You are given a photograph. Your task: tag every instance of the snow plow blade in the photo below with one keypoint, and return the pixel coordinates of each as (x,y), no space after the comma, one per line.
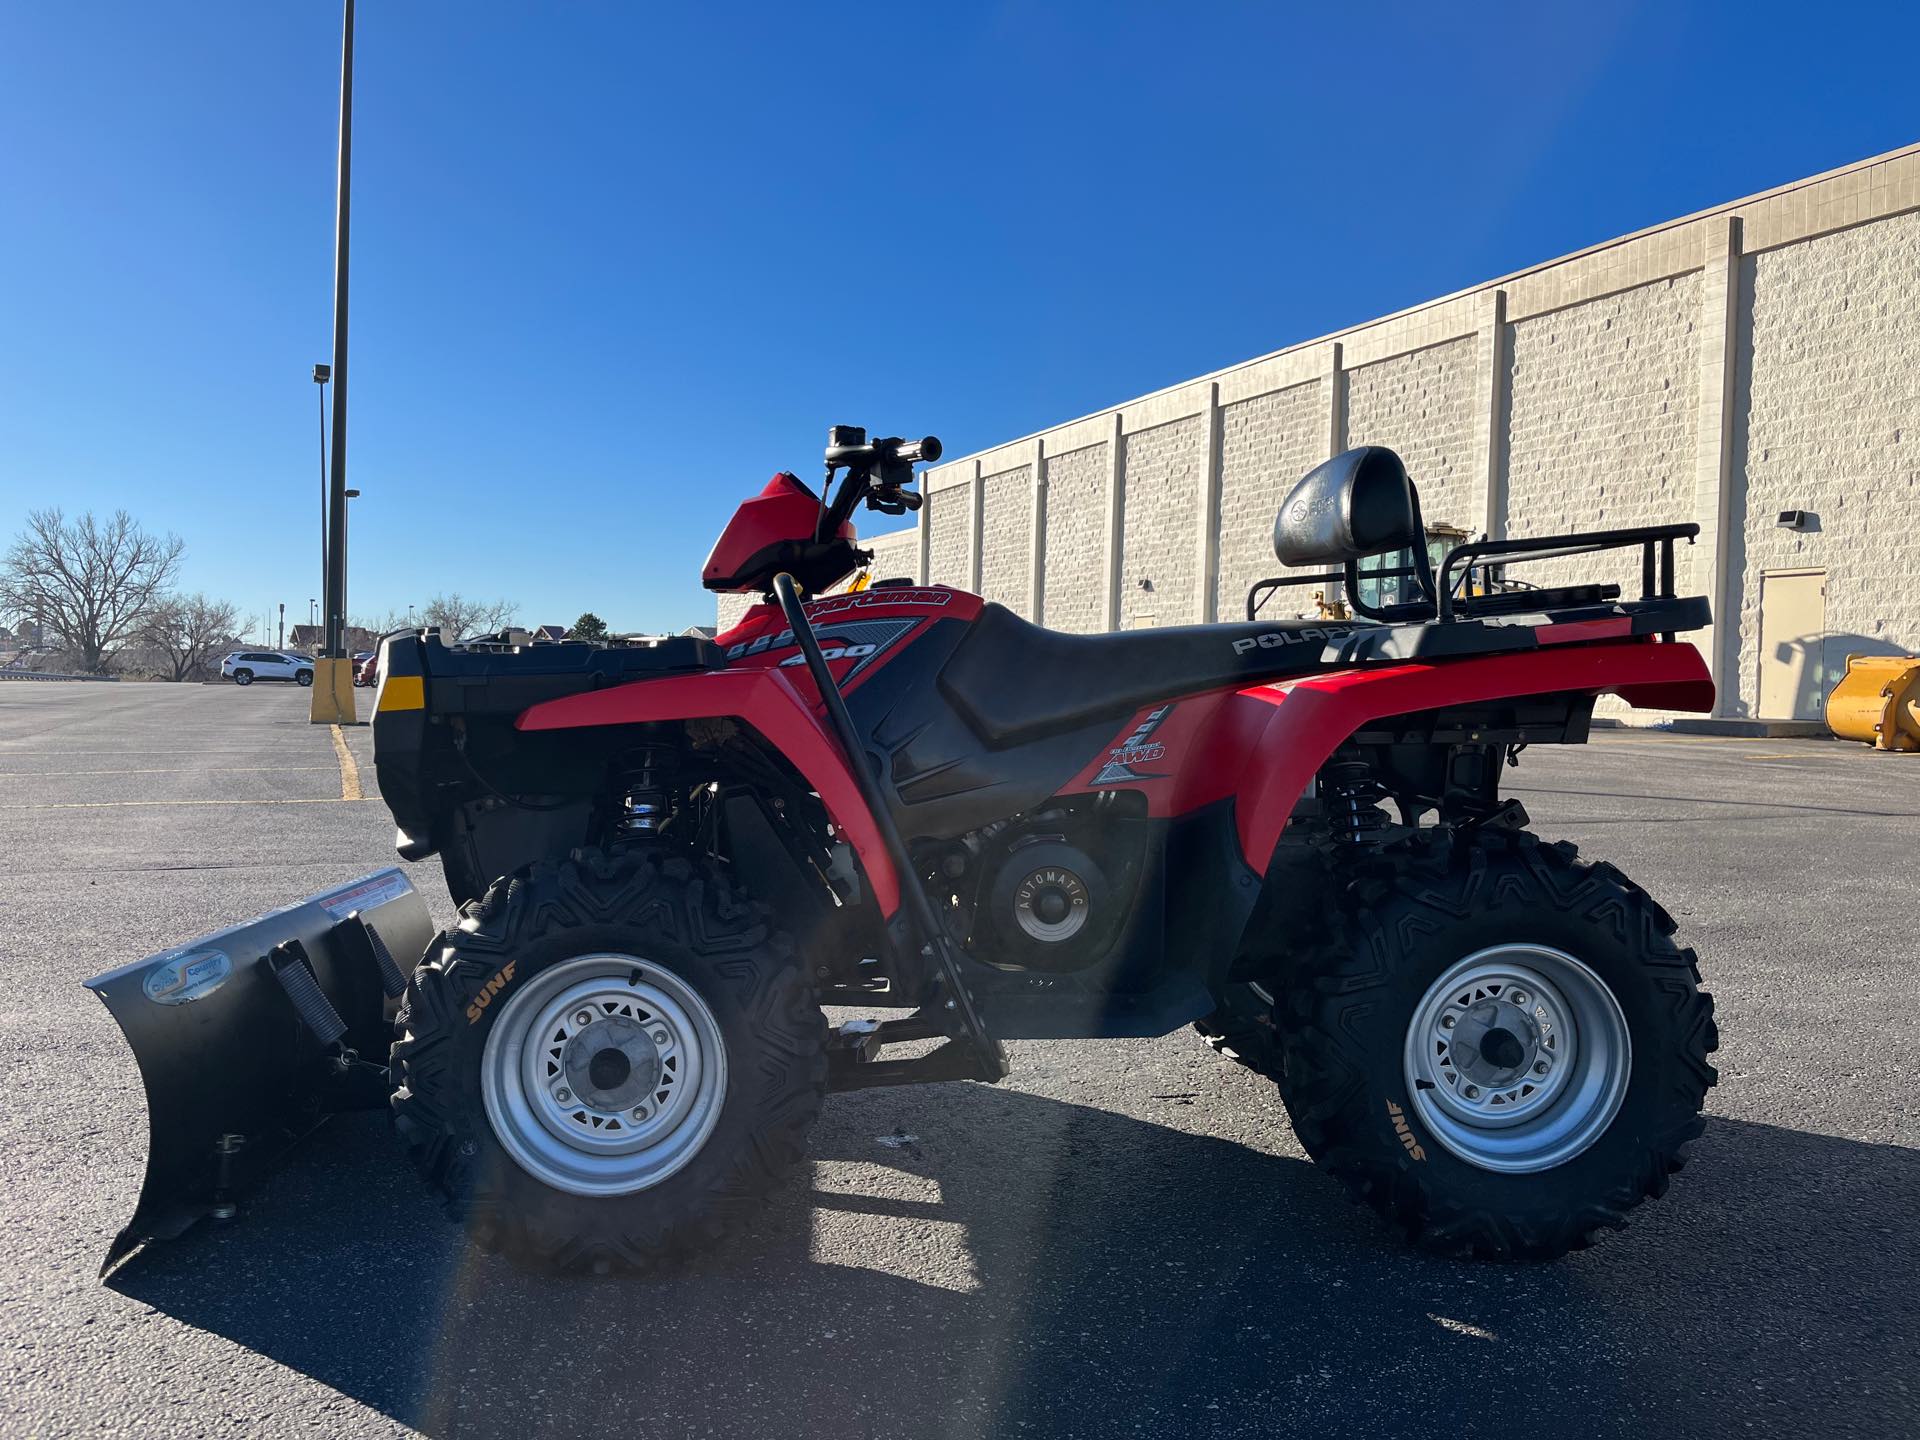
(247,1039)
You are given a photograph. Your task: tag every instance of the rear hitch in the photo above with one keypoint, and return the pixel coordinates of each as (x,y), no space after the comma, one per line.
(249,1038)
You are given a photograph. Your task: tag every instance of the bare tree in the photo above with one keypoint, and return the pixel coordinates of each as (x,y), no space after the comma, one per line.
(89,584)
(384,623)
(188,631)
(459,617)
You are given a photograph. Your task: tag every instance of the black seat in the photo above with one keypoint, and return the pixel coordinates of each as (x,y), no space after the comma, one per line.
(1013,681)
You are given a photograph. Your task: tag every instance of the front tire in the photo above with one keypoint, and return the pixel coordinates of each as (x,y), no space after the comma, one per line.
(609,1062)
(303,678)
(1503,1051)
(1242,1029)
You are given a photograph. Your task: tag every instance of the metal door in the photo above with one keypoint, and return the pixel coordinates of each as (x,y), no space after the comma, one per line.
(1793,625)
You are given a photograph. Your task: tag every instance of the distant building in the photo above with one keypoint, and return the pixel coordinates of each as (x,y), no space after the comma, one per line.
(307,639)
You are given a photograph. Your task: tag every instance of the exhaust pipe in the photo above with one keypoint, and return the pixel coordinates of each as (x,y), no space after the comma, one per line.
(247,1039)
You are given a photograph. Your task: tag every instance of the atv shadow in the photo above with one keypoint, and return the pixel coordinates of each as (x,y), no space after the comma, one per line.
(1033,1267)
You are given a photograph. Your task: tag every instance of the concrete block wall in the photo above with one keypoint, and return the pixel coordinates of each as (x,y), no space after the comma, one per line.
(1161,525)
(1600,410)
(1073,558)
(1421,405)
(1006,531)
(1261,439)
(1755,357)
(948,515)
(896,556)
(1828,420)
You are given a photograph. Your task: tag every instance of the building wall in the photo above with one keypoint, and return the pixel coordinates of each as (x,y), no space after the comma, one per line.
(729,608)
(1074,560)
(1828,404)
(948,516)
(1760,356)
(1600,422)
(1006,529)
(1262,441)
(895,556)
(1421,405)
(1160,509)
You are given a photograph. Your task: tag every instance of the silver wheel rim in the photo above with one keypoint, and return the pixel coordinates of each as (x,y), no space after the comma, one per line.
(1517,1058)
(604,1075)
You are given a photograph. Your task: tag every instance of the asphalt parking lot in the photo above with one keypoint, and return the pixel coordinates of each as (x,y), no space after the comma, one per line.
(1122,1239)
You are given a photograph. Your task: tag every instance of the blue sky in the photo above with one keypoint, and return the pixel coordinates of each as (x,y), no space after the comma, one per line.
(616,263)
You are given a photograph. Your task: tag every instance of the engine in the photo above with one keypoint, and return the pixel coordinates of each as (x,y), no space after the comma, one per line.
(1046,891)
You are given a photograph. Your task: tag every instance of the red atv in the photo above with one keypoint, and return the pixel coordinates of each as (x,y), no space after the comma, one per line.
(671,855)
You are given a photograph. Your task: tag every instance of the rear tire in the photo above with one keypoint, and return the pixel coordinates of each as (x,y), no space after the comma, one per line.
(243,677)
(551,1185)
(1365,1020)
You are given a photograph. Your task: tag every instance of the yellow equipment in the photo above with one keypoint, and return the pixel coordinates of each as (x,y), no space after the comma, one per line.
(1878,702)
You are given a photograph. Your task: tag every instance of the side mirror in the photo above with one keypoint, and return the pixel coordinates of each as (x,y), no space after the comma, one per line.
(1354,505)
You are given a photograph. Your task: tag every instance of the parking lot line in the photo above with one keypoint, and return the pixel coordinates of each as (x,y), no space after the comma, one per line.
(165,770)
(129,804)
(349,771)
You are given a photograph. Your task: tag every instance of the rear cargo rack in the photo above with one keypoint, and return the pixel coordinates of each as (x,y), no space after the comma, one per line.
(1450,596)
(1655,541)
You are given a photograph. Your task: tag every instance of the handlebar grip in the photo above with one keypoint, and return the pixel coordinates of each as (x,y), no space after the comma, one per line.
(925,450)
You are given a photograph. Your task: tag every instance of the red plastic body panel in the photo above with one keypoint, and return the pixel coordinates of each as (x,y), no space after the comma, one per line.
(1264,744)
(859,633)
(765,699)
(784,510)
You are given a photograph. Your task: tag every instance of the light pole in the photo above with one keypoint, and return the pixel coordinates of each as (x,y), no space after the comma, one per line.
(409,617)
(321,375)
(345,648)
(333,688)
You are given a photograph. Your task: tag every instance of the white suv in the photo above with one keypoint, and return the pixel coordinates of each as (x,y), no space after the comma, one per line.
(243,667)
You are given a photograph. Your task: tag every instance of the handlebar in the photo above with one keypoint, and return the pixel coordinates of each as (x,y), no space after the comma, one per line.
(848,449)
(876,472)
(925,450)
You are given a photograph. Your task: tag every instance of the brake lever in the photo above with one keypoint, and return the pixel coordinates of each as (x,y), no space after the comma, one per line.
(892,500)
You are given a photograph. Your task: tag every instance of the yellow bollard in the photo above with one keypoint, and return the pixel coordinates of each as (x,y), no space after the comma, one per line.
(1877,702)
(333,693)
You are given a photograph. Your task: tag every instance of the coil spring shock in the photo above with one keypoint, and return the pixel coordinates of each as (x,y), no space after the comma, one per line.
(1351,797)
(645,804)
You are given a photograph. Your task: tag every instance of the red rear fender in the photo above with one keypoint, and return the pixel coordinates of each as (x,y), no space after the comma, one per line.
(1272,739)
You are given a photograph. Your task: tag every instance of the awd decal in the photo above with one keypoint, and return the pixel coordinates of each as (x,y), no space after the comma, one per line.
(1275,639)
(1137,749)
(1401,1129)
(493,987)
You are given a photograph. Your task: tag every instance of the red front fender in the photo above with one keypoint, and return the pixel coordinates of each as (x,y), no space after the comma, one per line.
(1276,737)
(764,700)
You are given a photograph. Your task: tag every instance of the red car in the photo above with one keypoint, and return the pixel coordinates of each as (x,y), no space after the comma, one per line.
(367,669)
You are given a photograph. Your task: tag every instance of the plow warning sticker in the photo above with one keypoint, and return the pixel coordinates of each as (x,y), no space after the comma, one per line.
(364,894)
